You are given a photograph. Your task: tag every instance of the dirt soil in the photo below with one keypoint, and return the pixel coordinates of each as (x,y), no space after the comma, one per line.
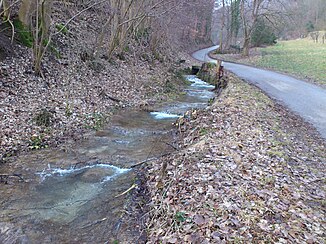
(5,45)
(247,171)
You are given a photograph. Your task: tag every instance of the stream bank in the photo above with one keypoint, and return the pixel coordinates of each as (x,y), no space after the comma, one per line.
(81,193)
(248,170)
(80,90)
(73,100)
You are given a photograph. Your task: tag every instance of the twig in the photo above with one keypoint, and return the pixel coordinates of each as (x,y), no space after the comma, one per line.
(5,9)
(4,178)
(12,30)
(94,223)
(19,176)
(149,159)
(128,190)
(174,147)
(114,99)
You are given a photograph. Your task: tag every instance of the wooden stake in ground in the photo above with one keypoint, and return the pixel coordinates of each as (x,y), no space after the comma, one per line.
(219,73)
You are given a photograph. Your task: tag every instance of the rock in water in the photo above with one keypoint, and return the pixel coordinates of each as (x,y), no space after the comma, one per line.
(97,174)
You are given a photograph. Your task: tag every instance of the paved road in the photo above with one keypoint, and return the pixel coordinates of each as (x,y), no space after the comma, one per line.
(305,99)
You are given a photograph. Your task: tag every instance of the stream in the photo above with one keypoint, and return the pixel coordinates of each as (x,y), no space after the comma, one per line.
(69,196)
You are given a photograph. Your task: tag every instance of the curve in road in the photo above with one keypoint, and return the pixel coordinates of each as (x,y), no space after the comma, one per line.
(305,99)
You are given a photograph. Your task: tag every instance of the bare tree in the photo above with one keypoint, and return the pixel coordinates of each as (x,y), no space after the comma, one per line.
(150,20)
(150,23)
(272,11)
(222,27)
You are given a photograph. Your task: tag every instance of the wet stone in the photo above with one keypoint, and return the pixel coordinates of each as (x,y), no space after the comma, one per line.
(95,175)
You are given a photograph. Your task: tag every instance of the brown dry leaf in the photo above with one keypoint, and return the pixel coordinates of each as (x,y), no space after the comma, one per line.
(256,175)
(172,240)
(199,220)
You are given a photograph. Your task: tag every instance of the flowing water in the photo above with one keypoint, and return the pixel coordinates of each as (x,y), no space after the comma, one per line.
(69,196)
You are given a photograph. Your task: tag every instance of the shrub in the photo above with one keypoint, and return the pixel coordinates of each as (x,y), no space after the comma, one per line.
(263,34)
(44,118)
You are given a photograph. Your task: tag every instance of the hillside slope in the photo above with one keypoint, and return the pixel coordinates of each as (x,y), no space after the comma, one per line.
(80,89)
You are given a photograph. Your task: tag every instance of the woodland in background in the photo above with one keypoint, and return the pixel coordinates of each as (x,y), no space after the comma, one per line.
(154,25)
(242,24)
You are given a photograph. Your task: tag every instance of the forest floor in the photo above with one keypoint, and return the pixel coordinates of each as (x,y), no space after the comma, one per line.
(246,170)
(78,93)
(302,58)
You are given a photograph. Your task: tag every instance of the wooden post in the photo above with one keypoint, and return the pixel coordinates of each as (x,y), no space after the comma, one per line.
(219,73)
(218,65)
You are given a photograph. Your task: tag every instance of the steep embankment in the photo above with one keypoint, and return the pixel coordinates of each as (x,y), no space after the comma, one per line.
(79,91)
(74,96)
(247,170)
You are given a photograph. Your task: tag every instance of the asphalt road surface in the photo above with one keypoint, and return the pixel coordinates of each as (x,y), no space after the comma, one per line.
(305,99)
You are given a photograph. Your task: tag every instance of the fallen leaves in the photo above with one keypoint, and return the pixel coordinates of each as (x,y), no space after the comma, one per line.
(199,220)
(72,92)
(255,176)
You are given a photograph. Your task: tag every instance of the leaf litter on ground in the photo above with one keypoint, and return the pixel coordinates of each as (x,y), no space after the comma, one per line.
(256,175)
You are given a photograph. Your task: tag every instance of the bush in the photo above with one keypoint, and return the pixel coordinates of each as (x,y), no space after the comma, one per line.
(310,27)
(44,118)
(263,34)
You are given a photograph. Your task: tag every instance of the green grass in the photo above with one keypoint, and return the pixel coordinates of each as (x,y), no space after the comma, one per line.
(62,28)
(302,58)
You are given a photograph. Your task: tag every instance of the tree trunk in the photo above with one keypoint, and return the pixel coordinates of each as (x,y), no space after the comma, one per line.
(228,30)
(26,11)
(246,46)
(222,27)
(36,16)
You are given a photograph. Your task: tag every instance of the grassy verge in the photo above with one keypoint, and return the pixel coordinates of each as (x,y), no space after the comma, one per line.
(302,58)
